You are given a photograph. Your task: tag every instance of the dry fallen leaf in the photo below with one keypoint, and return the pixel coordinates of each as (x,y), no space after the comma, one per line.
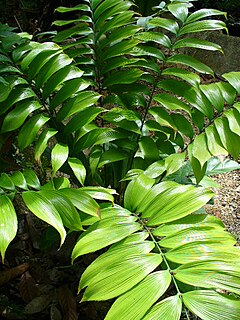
(28,287)
(9,274)
(68,304)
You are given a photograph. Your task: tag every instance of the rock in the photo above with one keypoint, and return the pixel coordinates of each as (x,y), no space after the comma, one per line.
(220,63)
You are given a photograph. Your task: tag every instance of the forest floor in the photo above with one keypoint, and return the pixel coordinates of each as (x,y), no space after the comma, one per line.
(227,201)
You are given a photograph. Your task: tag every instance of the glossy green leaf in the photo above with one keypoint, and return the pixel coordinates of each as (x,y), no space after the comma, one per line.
(183,74)
(155,169)
(81,119)
(204,13)
(8,225)
(190,62)
(82,201)
(30,129)
(136,191)
(31,179)
(210,305)
(69,87)
(79,103)
(60,76)
(100,193)
(196,251)
(59,156)
(69,215)
(6,182)
(176,203)
(80,7)
(19,180)
(164,23)
(192,234)
(193,220)
(211,274)
(19,93)
(135,303)
(229,139)
(15,118)
(227,91)
(233,117)
(183,125)
(200,149)
(44,210)
(197,43)
(203,25)
(214,95)
(159,38)
(92,239)
(78,169)
(198,169)
(219,166)
(118,252)
(123,77)
(167,309)
(170,102)
(214,143)
(148,51)
(121,277)
(174,162)
(179,10)
(41,144)
(112,155)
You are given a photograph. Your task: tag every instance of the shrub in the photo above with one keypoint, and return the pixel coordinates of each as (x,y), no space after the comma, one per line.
(113,99)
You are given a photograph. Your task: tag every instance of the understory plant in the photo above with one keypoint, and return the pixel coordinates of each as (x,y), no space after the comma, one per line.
(119,111)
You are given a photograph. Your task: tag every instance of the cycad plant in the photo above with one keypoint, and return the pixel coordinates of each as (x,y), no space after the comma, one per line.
(112,99)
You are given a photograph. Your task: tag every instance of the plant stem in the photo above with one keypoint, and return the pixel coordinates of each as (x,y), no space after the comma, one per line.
(162,254)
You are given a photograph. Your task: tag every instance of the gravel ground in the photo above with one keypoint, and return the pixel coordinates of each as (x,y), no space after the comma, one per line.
(227,201)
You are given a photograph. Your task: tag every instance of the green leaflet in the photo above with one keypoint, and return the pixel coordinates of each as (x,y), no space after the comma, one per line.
(213,142)
(135,303)
(211,274)
(159,38)
(200,149)
(187,222)
(179,10)
(6,182)
(58,157)
(203,25)
(167,309)
(136,191)
(30,129)
(120,277)
(175,203)
(118,252)
(78,169)
(205,233)
(31,179)
(228,138)
(15,118)
(183,74)
(41,144)
(8,225)
(44,210)
(197,43)
(202,250)
(92,239)
(174,162)
(69,215)
(81,200)
(167,24)
(204,13)
(210,305)
(190,62)
(19,180)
